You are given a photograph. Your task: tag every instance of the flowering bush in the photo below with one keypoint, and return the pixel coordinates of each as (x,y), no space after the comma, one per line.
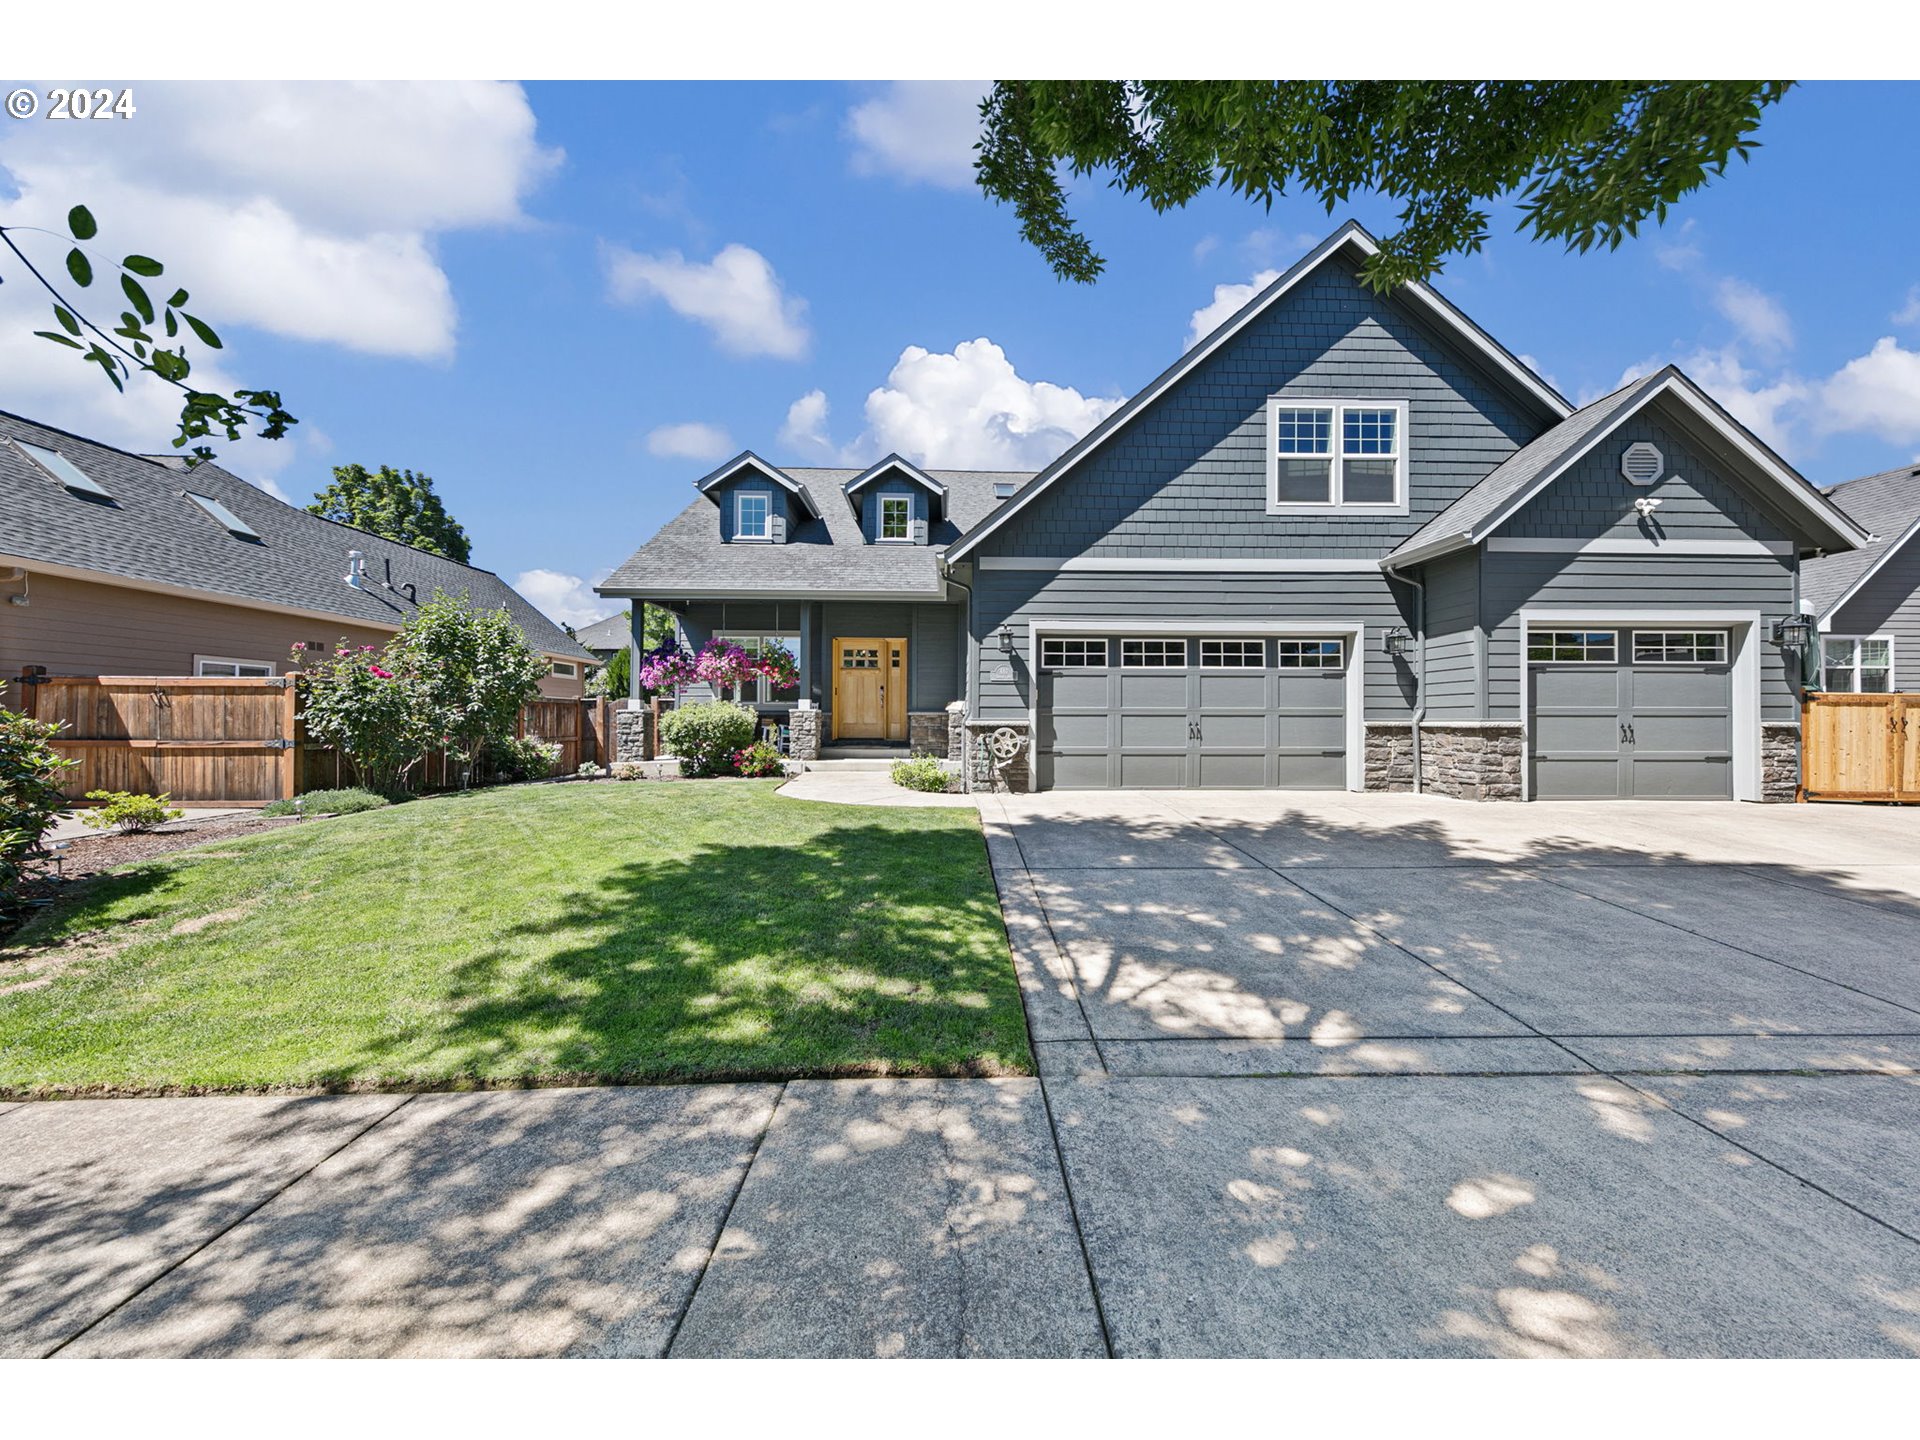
(525,757)
(759,758)
(589,771)
(378,716)
(29,790)
(474,669)
(628,769)
(706,737)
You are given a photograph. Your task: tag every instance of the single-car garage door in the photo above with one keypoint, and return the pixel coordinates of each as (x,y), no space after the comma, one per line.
(1618,713)
(1192,712)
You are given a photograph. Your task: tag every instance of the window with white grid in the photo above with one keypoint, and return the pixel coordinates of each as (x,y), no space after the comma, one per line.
(1066,653)
(1233,654)
(1152,654)
(1573,647)
(1310,654)
(1336,455)
(1679,647)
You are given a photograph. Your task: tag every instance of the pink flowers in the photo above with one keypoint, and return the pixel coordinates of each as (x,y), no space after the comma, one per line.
(381,674)
(720,664)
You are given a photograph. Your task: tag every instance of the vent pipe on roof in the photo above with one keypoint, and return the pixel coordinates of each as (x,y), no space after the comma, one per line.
(356,575)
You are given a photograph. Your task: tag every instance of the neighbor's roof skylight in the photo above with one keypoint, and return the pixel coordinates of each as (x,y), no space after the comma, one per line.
(225,516)
(65,471)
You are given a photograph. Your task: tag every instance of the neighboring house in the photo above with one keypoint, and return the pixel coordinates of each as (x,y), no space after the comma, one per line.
(1347,541)
(1867,601)
(119,564)
(603,637)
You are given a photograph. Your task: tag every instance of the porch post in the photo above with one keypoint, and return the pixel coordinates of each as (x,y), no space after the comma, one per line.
(636,610)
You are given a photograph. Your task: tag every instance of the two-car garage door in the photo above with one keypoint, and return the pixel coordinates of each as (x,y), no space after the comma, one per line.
(1181,712)
(1629,713)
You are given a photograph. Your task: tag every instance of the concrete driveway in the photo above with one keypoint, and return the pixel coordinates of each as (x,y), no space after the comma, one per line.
(1345,1075)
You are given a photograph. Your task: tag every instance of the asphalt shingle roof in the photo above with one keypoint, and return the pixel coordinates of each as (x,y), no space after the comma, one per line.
(1888,504)
(1520,470)
(611,633)
(151,532)
(825,554)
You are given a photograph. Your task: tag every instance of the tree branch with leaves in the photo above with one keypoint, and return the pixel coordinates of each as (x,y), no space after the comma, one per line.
(1586,161)
(130,348)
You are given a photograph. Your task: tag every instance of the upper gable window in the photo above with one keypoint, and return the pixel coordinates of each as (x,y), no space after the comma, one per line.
(1336,455)
(896,517)
(752,516)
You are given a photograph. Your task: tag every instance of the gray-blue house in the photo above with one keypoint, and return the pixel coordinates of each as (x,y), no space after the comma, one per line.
(1347,541)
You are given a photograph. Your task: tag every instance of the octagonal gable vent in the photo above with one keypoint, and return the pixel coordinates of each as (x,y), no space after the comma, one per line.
(1642,463)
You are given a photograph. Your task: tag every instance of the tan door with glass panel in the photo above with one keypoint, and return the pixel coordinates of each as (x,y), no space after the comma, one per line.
(869,688)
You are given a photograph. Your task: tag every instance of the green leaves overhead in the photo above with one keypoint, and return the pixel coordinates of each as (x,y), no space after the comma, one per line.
(1586,161)
(130,346)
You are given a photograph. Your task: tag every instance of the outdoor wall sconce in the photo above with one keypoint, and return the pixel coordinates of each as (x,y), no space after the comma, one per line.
(1794,632)
(1006,640)
(1399,642)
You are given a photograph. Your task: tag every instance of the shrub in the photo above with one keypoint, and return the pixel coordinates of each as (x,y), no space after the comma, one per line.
(128,813)
(760,758)
(589,771)
(923,772)
(30,795)
(524,757)
(473,670)
(377,714)
(707,736)
(328,802)
(628,770)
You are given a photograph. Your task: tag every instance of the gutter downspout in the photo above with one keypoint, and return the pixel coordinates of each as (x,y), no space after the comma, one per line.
(1420,690)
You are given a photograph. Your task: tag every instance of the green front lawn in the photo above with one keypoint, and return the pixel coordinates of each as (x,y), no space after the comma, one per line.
(633,931)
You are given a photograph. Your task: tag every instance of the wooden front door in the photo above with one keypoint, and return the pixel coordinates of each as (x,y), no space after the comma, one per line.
(869,688)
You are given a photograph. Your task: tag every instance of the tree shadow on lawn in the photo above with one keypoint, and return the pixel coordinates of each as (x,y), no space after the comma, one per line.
(863,950)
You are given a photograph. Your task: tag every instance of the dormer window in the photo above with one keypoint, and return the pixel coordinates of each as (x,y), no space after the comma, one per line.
(896,517)
(752,516)
(1336,455)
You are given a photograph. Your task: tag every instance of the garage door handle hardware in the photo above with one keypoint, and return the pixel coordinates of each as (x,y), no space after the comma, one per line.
(1626,735)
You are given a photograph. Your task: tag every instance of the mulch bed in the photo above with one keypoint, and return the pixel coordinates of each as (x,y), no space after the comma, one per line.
(92,854)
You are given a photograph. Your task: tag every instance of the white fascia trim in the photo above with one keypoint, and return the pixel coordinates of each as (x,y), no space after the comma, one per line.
(1826,616)
(894,462)
(1337,456)
(1052,563)
(747,460)
(1352,233)
(1746,639)
(1354,635)
(1640,547)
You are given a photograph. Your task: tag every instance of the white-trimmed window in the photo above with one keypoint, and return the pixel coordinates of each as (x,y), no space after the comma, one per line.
(1336,455)
(1233,654)
(752,515)
(1679,647)
(564,669)
(1311,654)
(1573,647)
(761,690)
(1153,654)
(225,667)
(1857,664)
(1069,653)
(896,517)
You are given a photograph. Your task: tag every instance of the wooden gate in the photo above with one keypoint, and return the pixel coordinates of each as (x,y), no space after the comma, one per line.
(1860,747)
(199,741)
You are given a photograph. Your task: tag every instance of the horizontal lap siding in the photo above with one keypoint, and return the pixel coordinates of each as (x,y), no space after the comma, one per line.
(932,645)
(1512,580)
(1017,597)
(1889,604)
(1454,689)
(1187,477)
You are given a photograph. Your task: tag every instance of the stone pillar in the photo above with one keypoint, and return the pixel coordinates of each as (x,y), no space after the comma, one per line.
(957,732)
(927,732)
(803,733)
(633,734)
(1016,777)
(1779,761)
(1471,759)
(1390,755)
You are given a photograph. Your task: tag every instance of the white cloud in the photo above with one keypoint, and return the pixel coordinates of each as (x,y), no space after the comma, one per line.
(967,410)
(566,599)
(1267,245)
(1760,319)
(919,130)
(806,423)
(692,440)
(1680,253)
(1878,393)
(1226,300)
(1909,313)
(736,295)
(1770,406)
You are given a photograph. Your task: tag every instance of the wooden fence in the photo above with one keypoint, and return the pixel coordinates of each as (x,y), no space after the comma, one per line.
(1860,747)
(239,742)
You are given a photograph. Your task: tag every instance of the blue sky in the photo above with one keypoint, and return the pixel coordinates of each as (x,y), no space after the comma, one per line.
(565,301)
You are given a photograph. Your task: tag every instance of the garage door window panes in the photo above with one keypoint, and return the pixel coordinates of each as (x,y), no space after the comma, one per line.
(1578,647)
(1311,654)
(1152,654)
(1233,654)
(1072,654)
(1858,665)
(1679,647)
